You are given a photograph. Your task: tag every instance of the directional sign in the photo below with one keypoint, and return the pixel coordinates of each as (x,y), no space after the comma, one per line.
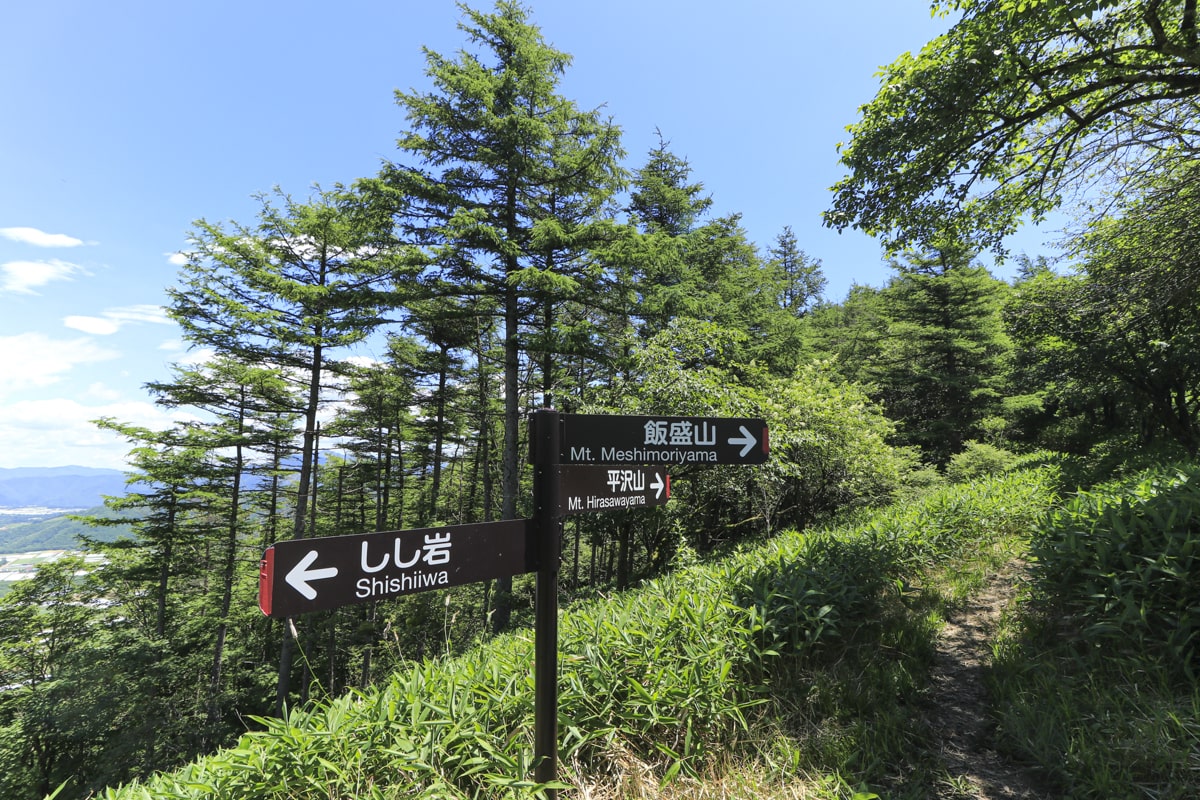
(631,440)
(584,488)
(304,575)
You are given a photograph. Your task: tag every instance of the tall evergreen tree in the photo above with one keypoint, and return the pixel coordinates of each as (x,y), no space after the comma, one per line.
(799,277)
(943,366)
(309,279)
(252,411)
(666,207)
(44,623)
(502,178)
(663,201)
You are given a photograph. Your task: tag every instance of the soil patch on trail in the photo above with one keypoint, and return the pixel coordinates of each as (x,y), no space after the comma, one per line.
(958,711)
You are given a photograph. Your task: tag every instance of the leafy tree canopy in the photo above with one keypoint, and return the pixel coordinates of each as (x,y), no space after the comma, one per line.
(1019,104)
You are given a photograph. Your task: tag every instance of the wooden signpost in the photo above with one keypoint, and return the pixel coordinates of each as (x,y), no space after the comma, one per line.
(583,463)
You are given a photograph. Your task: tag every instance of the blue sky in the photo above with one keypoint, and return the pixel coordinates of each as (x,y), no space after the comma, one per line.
(126,121)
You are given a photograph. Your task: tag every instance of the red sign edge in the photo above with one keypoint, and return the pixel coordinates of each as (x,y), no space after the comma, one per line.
(266,575)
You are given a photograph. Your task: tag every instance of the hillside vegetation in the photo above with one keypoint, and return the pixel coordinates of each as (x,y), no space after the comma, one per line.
(795,658)
(61,532)
(792,669)
(512,258)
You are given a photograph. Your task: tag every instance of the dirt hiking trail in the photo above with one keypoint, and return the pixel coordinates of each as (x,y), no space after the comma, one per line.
(958,711)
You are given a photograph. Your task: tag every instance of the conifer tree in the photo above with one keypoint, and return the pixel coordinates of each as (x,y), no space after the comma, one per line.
(942,367)
(502,179)
(308,279)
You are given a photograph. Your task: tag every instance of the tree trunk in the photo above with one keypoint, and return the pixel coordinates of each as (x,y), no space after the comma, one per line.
(228,572)
(301,511)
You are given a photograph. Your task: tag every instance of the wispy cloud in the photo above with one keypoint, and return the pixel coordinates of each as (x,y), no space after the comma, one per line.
(32,360)
(113,319)
(177,259)
(39,238)
(23,277)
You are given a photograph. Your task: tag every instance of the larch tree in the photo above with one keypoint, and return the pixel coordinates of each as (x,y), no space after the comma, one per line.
(308,280)
(251,408)
(502,180)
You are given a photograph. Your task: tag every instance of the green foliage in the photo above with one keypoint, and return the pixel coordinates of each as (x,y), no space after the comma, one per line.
(814,596)
(661,671)
(1100,726)
(1095,675)
(677,269)
(952,522)
(978,460)
(1018,105)
(662,200)
(829,447)
(1122,562)
(1116,342)
(493,261)
(677,675)
(930,347)
(941,373)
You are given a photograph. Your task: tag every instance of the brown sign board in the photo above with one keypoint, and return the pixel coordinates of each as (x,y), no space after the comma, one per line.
(681,441)
(303,575)
(585,488)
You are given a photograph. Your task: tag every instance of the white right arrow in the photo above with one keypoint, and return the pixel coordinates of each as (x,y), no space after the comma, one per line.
(747,441)
(658,485)
(300,575)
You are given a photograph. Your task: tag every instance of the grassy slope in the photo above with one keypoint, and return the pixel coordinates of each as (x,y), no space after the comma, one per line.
(790,664)
(1096,675)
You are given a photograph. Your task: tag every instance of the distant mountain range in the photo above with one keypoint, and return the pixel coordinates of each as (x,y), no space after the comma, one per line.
(58,487)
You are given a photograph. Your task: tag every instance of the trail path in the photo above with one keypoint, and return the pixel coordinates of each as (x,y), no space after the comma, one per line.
(958,712)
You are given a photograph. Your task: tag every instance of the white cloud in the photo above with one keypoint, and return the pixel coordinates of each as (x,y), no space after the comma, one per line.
(34,359)
(363,361)
(177,259)
(198,357)
(102,393)
(59,432)
(39,238)
(113,319)
(96,326)
(145,312)
(22,277)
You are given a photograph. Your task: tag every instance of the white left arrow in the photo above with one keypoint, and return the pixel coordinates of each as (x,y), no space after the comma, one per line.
(658,485)
(300,575)
(747,441)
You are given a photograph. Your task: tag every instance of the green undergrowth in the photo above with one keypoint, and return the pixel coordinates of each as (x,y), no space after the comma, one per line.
(1096,677)
(799,662)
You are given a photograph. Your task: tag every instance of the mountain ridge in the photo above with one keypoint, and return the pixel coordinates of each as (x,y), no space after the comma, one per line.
(69,487)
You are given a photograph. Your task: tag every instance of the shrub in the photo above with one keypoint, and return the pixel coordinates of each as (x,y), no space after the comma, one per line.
(978,460)
(828,440)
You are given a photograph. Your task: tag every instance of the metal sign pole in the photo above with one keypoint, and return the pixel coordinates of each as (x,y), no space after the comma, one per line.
(546,436)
